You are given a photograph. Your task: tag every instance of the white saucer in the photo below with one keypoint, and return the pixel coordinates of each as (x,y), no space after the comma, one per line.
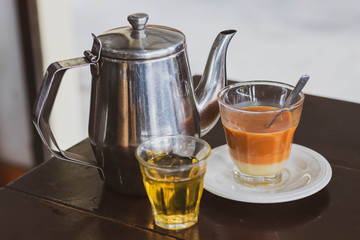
(306,173)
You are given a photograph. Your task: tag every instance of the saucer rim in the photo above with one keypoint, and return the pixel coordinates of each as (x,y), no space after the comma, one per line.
(322,179)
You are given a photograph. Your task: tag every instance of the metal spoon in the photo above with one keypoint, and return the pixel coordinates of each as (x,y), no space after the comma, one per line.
(297,89)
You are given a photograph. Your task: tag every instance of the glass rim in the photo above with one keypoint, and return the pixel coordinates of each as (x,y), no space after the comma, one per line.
(175,168)
(258,82)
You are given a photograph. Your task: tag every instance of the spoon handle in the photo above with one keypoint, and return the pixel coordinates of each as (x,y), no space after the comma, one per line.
(297,89)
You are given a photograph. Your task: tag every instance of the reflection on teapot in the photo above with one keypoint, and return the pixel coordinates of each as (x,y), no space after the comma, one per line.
(141,88)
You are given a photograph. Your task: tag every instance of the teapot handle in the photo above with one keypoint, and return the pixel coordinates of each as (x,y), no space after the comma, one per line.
(45,101)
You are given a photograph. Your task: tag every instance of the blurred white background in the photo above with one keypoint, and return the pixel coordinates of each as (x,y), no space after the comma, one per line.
(276,39)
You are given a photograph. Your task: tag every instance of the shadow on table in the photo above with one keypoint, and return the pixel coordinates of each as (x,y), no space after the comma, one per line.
(234,219)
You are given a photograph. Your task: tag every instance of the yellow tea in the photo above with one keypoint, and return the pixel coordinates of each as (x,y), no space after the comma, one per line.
(175,198)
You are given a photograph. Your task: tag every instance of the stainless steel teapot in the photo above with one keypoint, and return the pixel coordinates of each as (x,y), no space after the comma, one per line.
(141,87)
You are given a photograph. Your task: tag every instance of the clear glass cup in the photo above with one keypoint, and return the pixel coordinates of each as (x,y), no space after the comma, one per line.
(259,151)
(173,169)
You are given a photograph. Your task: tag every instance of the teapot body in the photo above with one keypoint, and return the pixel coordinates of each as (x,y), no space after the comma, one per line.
(132,101)
(141,88)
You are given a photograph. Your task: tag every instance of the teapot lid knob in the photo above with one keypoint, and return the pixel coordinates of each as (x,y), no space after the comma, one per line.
(138,20)
(140,41)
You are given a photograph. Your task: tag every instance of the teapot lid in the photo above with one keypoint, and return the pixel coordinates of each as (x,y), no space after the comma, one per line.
(139,41)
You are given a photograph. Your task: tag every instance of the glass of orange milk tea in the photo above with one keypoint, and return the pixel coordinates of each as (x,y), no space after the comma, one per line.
(173,169)
(258,145)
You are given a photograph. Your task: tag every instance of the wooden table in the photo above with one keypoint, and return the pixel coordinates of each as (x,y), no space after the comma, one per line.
(60,200)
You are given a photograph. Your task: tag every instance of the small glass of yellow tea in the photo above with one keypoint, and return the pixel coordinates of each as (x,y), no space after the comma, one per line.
(173,169)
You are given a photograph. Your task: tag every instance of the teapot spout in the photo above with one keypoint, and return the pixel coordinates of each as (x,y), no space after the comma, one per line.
(212,80)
